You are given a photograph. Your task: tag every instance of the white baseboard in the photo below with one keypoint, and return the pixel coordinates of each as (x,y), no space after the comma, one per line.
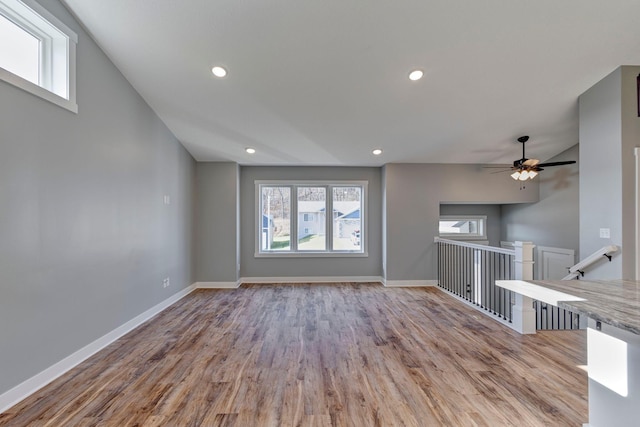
(409,283)
(312,279)
(217,285)
(35,383)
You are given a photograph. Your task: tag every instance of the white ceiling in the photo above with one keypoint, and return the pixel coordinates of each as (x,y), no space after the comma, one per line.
(324,82)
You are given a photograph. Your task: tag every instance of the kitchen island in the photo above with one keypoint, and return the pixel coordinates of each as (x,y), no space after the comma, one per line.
(613,340)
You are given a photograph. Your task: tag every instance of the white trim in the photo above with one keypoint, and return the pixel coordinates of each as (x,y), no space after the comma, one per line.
(33,384)
(636,151)
(294,251)
(507,245)
(58,53)
(541,263)
(38,91)
(480,219)
(312,279)
(311,254)
(60,26)
(476,246)
(409,283)
(217,285)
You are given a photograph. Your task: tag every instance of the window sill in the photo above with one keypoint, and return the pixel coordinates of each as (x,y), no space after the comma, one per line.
(462,237)
(38,91)
(311,254)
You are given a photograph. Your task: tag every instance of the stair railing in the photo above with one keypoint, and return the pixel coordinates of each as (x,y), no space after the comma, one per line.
(469,271)
(577,270)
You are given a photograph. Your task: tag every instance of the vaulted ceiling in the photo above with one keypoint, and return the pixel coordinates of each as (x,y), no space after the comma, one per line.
(325,82)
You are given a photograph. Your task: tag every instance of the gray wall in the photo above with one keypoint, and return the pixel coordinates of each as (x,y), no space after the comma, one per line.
(492,212)
(413,194)
(630,140)
(317,266)
(609,130)
(86,237)
(554,220)
(217,201)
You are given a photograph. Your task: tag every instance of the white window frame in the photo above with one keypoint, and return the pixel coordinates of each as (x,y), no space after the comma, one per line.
(293,224)
(481,235)
(57,74)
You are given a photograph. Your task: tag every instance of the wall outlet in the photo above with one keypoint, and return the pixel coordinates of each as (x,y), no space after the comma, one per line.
(166,283)
(167,199)
(605,233)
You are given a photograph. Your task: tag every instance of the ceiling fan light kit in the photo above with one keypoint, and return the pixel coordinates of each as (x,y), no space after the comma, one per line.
(525,169)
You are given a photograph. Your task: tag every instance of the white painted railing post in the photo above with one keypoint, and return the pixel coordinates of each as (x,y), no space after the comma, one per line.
(524,316)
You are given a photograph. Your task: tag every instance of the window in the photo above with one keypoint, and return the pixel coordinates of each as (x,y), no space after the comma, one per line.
(300,226)
(347,220)
(37,52)
(311,202)
(463,227)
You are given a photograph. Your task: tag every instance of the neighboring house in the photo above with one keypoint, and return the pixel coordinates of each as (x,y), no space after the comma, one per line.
(348,223)
(311,219)
(267,231)
(312,216)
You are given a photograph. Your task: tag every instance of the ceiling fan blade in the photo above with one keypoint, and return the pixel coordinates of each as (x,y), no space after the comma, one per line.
(502,171)
(569,162)
(531,162)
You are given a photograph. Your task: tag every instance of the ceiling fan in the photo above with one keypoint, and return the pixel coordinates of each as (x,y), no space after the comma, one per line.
(524,169)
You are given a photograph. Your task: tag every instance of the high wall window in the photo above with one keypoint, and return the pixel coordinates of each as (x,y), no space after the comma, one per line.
(292,218)
(37,52)
(463,227)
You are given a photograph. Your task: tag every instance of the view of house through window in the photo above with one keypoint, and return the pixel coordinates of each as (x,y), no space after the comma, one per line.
(305,217)
(346,218)
(312,223)
(463,227)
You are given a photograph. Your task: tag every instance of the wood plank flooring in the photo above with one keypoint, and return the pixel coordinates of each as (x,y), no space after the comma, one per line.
(320,355)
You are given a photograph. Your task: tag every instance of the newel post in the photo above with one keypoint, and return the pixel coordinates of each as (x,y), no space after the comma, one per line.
(524,316)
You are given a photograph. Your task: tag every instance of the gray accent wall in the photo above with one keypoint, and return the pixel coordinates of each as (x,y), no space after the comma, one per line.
(492,212)
(609,131)
(86,236)
(555,220)
(313,266)
(413,194)
(217,210)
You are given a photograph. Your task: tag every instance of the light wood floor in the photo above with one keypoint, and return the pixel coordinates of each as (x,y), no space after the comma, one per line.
(320,355)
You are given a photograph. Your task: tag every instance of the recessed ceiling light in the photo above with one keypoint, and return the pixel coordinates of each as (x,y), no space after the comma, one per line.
(377,152)
(416,75)
(219,71)
(250,150)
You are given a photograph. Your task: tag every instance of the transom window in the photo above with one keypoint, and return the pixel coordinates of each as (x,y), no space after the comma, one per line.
(37,52)
(469,227)
(292,218)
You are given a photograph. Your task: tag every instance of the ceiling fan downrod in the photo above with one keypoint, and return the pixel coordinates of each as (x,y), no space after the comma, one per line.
(522,140)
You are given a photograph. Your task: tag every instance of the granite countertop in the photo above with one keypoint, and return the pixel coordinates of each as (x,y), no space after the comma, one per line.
(614,302)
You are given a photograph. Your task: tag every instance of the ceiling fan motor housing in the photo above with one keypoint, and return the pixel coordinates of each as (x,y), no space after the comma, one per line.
(519,163)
